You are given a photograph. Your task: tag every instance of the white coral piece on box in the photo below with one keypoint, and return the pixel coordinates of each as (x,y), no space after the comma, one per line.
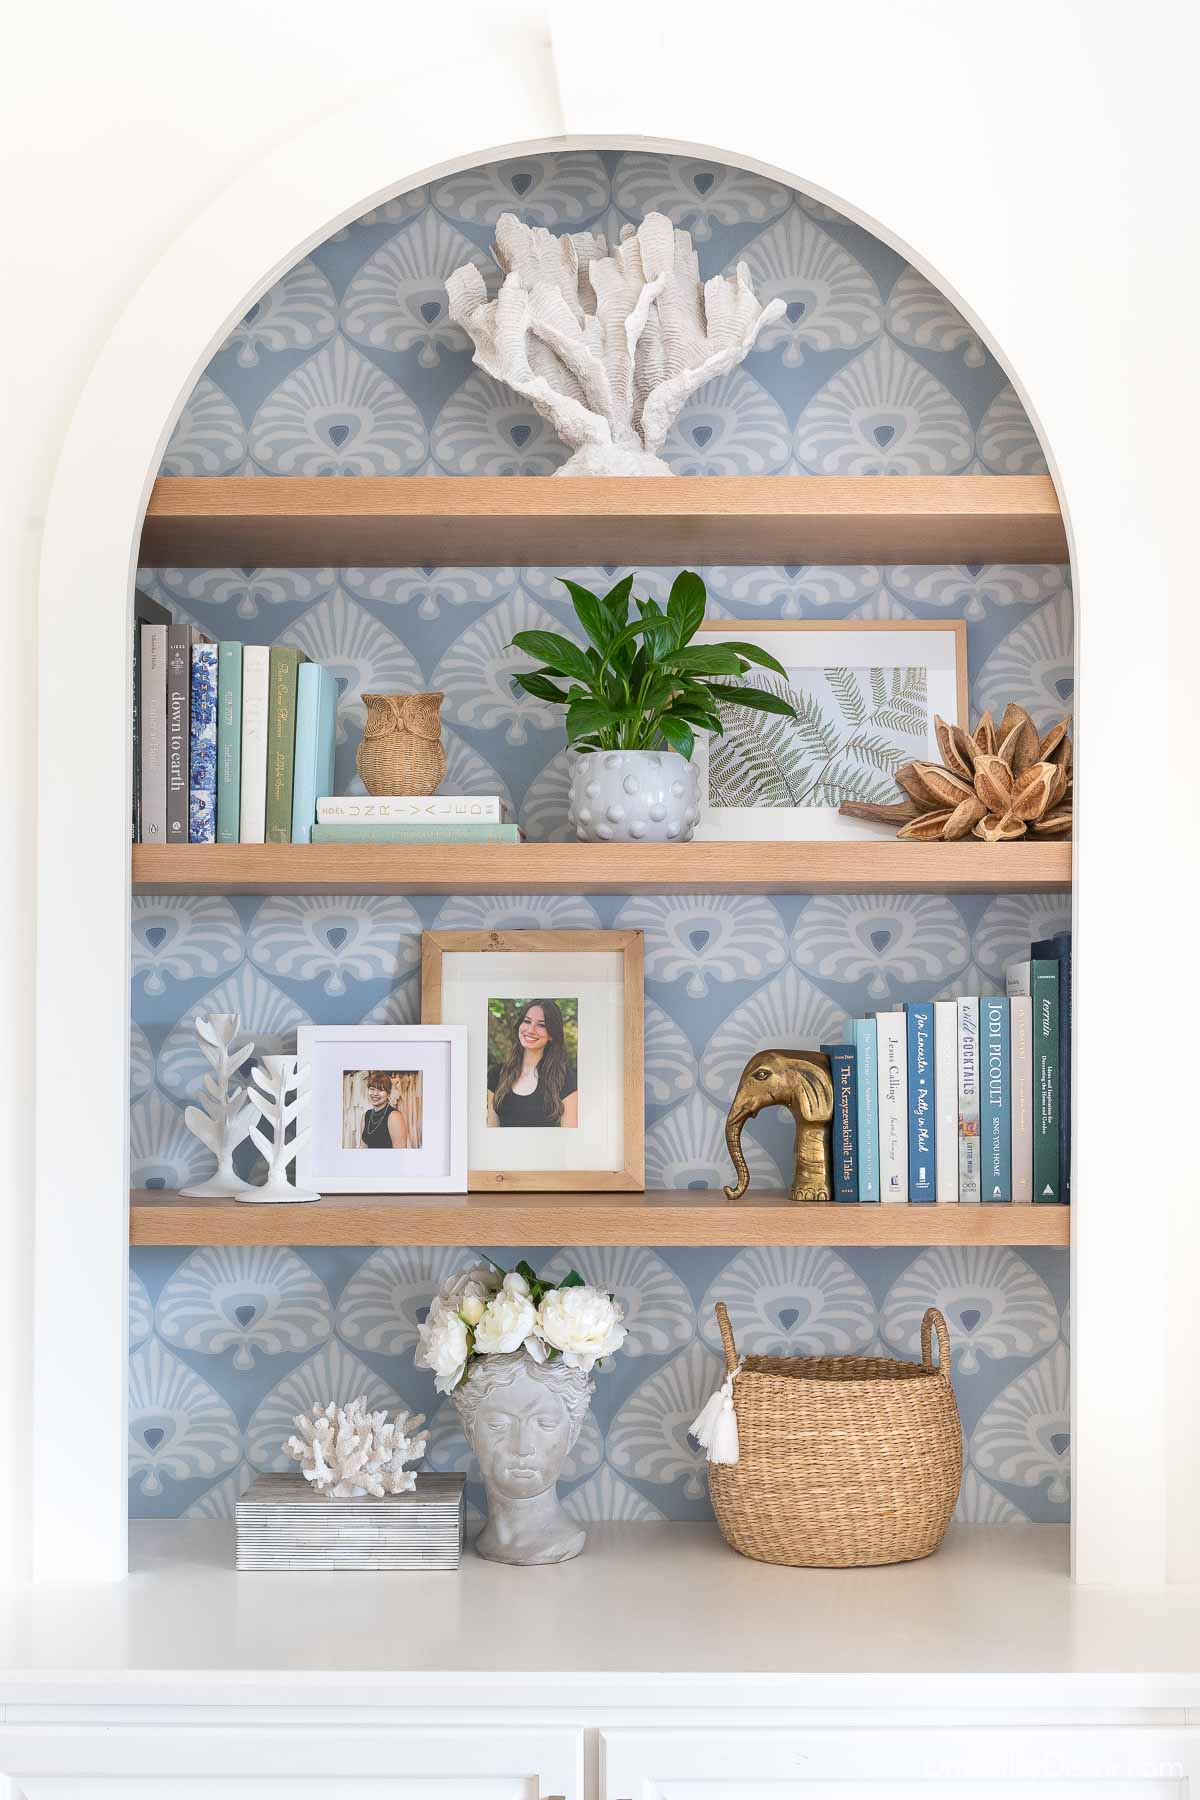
(607,347)
(347,1452)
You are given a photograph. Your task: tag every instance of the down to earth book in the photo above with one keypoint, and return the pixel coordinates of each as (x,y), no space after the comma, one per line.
(994,1100)
(922,1168)
(844,1129)
(891,1049)
(180,639)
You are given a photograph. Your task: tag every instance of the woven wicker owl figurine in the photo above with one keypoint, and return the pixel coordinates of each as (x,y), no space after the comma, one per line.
(401,750)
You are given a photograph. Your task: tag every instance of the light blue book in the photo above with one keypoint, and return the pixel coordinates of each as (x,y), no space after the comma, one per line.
(922,1169)
(202,747)
(995,1099)
(866,1044)
(316,727)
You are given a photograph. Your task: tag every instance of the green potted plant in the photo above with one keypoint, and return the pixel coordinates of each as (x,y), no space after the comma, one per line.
(635,697)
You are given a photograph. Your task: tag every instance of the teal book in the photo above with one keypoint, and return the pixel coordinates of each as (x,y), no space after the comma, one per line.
(316,727)
(995,1100)
(229,742)
(922,1154)
(1058,948)
(867,1076)
(844,1128)
(416,834)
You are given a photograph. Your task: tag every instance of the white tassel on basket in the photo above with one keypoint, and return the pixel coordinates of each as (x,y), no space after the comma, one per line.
(715,1427)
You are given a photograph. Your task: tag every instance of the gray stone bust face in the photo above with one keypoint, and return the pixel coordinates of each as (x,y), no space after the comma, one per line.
(521,1419)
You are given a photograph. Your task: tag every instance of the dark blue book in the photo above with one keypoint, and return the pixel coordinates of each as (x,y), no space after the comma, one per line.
(995,1099)
(922,1160)
(1058,949)
(844,1128)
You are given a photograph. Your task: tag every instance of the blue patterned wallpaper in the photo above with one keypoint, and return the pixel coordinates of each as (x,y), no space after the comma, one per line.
(349,366)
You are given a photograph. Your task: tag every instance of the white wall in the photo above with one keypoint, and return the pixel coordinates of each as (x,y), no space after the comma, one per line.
(994,139)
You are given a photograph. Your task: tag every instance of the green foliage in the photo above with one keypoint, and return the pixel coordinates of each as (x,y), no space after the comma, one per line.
(641,684)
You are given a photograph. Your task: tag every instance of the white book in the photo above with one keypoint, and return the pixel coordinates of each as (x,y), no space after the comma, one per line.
(968,1099)
(410,809)
(1021,1051)
(153,714)
(256,681)
(893,1105)
(945,1100)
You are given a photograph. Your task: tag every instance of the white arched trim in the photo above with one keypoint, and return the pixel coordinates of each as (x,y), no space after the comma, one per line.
(275,212)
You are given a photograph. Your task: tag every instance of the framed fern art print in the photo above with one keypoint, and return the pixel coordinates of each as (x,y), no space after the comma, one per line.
(865,694)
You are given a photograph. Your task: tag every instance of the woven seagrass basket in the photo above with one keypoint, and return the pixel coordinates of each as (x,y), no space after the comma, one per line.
(844,1461)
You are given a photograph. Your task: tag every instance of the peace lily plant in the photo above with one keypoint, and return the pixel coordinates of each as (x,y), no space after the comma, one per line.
(641,683)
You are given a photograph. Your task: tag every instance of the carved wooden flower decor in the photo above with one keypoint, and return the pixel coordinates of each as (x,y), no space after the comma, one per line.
(996,783)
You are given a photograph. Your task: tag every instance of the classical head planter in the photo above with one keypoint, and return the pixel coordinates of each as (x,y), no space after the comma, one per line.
(522,1419)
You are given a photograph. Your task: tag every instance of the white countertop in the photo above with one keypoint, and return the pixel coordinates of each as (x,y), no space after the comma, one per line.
(994,1607)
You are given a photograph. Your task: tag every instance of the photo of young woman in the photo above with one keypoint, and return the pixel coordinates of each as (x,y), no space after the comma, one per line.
(533,1049)
(381,1109)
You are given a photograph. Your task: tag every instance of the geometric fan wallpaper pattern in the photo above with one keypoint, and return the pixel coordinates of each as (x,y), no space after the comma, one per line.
(350,366)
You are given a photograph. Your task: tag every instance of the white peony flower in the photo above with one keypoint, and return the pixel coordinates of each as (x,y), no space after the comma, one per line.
(444,1346)
(473,1309)
(479,1282)
(508,1320)
(583,1323)
(515,1284)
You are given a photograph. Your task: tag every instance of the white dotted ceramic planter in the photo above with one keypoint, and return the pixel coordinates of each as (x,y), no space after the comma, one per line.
(634,797)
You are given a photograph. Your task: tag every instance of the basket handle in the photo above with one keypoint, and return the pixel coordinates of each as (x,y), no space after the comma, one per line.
(726,1329)
(933,1321)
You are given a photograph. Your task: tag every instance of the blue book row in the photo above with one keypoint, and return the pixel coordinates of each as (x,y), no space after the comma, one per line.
(961,1100)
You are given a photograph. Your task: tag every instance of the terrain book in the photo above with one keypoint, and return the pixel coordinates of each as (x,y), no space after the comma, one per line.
(145,612)
(945,1087)
(843,1131)
(411,809)
(1038,978)
(416,834)
(1051,949)
(922,1169)
(202,747)
(968,1098)
(1020,1028)
(229,741)
(316,729)
(153,771)
(256,679)
(994,1101)
(891,1052)
(866,1076)
(281,741)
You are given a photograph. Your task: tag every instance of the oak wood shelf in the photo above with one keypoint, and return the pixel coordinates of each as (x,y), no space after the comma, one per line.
(665,1218)
(885,867)
(430,521)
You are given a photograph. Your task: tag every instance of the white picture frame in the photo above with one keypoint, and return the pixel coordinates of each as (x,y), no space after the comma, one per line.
(330,1056)
(938,645)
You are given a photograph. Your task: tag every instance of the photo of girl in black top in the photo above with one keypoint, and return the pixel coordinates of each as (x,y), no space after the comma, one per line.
(381,1109)
(532,1066)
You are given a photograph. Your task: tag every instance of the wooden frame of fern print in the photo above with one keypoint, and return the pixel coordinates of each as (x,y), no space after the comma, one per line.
(861,721)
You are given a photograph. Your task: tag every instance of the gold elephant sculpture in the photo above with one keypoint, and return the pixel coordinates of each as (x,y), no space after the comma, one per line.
(801,1081)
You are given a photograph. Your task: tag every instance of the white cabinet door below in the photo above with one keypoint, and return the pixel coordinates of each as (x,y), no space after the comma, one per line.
(1048,1763)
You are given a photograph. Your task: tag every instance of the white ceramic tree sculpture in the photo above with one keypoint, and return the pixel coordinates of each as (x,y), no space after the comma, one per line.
(607,347)
(270,1085)
(222,1120)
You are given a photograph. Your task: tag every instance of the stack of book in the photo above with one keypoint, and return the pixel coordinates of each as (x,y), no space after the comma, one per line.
(282,1523)
(232,743)
(961,1100)
(413,819)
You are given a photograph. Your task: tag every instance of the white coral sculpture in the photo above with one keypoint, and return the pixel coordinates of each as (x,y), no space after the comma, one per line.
(270,1085)
(346,1452)
(607,347)
(222,1119)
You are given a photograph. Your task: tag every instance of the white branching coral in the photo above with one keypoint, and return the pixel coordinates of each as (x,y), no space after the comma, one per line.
(346,1452)
(607,347)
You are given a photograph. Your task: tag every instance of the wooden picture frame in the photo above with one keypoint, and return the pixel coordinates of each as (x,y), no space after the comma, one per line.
(946,692)
(444,992)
